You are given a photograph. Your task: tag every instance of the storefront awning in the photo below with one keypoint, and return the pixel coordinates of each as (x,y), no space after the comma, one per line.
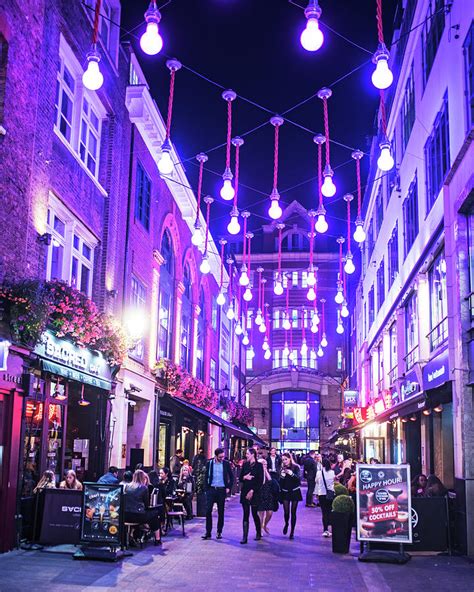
(212,417)
(242,431)
(84,377)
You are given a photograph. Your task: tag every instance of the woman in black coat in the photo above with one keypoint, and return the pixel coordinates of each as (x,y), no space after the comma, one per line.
(137,504)
(251,478)
(290,491)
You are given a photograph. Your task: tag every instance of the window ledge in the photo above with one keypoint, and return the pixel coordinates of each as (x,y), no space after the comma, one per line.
(83,166)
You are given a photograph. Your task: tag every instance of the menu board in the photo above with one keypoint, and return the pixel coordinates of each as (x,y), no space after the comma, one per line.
(384,503)
(102,514)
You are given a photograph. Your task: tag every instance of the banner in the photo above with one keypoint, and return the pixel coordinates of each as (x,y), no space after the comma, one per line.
(102,514)
(384,503)
(61,521)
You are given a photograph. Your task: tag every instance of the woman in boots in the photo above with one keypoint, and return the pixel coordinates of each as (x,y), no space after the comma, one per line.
(251,478)
(290,491)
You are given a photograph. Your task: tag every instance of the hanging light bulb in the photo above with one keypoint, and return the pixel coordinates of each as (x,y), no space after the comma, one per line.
(244,277)
(312,355)
(245,339)
(349,266)
(311,278)
(275,210)
(220,298)
(265,344)
(321,223)
(268,354)
(151,41)
(248,294)
(230,314)
(340,328)
(291,356)
(314,327)
(304,348)
(227,191)
(385,161)
(339,298)
(205,268)
(234,226)
(197,238)
(359,234)
(286,351)
(238,329)
(344,309)
(259,318)
(92,77)
(316,319)
(320,351)
(312,37)
(382,76)
(328,189)
(324,341)
(311,295)
(278,287)
(251,352)
(286,323)
(165,164)
(262,328)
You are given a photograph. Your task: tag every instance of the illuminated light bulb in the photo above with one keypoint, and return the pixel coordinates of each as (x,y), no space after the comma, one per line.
(328,188)
(286,324)
(304,348)
(165,164)
(382,76)
(349,266)
(268,354)
(151,41)
(385,161)
(220,299)
(259,318)
(265,345)
(227,191)
(205,268)
(291,356)
(311,295)
(197,238)
(340,328)
(339,298)
(230,313)
(275,210)
(92,77)
(245,339)
(321,225)
(233,227)
(311,279)
(316,319)
(320,351)
(251,352)
(278,288)
(314,328)
(238,329)
(312,37)
(344,310)
(359,234)
(286,351)
(244,277)
(312,355)
(262,328)
(248,294)
(324,341)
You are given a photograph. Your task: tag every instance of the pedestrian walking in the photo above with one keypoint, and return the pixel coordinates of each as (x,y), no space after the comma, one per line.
(175,463)
(309,472)
(274,463)
(290,491)
(325,491)
(251,479)
(268,497)
(218,482)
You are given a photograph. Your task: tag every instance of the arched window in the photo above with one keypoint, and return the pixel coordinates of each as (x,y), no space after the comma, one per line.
(200,338)
(166,310)
(294,240)
(186,321)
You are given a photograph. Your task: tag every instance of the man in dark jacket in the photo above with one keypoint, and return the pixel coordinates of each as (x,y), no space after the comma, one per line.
(199,461)
(110,478)
(274,464)
(176,462)
(218,483)
(310,469)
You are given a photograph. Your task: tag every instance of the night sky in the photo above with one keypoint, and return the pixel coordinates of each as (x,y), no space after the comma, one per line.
(253,47)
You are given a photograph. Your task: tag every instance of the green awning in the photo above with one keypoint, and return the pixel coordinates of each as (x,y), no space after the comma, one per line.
(76,375)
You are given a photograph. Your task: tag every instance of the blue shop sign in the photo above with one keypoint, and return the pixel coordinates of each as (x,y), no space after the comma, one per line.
(4,345)
(62,357)
(436,371)
(350,399)
(410,385)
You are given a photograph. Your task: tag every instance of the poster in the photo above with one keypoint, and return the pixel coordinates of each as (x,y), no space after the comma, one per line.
(102,514)
(384,503)
(61,520)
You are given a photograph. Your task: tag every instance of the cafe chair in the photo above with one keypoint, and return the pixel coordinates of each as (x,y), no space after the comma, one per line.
(130,529)
(178,512)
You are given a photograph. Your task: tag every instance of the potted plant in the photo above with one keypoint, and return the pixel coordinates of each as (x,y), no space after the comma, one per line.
(201,502)
(341,521)
(339,489)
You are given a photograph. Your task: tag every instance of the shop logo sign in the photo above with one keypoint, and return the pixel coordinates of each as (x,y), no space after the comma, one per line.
(436,374)
(73,509)
(382,496)
(366,476)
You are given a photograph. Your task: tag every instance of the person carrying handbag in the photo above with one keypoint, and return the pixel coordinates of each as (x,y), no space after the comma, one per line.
(325,492)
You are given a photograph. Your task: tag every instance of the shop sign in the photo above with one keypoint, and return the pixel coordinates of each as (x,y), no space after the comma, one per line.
(410,386)
(436,371)
(4,345)
(74,362)
(262,431)
(61,520)
(360,415)
(383,497)
(350,399)
(102,514)
(165,413)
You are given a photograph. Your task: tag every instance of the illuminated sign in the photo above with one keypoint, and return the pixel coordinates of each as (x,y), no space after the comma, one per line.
(360,415)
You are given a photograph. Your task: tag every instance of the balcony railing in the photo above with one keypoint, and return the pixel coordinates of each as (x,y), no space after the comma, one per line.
(393,375)
(412,357)
(438,334)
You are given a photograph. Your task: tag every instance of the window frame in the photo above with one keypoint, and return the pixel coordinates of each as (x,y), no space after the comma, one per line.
(138,301)
(437,159)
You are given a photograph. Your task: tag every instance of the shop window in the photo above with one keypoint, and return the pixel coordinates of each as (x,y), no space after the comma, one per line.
(437,157)
(431,35)
(3,74)
(142,197)
(411,329)
(78,112)
(70,255)
(295,420)
(408,108)
(166,307)
(380,285)
(469,73)
(410,216)
(138,304)
(393,256)
(438,302)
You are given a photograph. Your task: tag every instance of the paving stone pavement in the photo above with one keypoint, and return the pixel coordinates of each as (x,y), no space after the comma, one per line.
(275,563)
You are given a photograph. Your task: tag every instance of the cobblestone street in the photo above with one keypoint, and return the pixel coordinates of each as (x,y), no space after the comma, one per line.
(275,563)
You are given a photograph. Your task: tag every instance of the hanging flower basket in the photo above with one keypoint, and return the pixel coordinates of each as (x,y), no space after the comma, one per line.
(32,306)
(237,412)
